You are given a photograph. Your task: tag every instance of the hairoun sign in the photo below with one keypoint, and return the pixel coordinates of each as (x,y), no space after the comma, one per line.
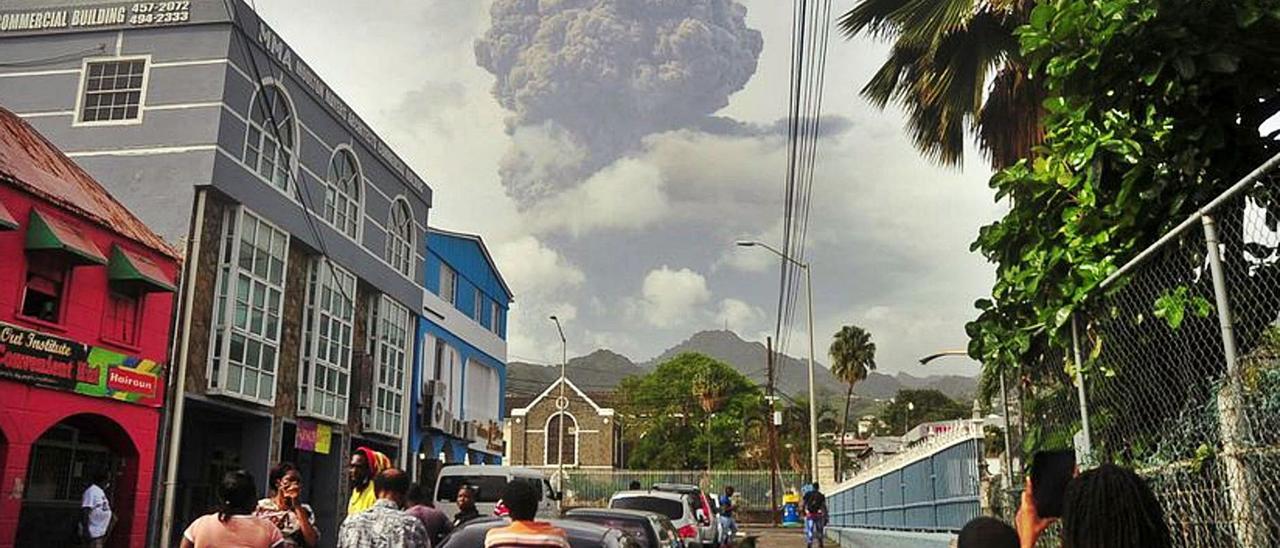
(40,359)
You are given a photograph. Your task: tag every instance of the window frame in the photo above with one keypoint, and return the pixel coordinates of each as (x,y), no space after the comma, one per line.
(139,300)
(82,89)
(389,420)
(494,315)
(452,298)
(291,174)
(224,320)
(64,292)
(355,203)
(546,439)
(477,307)
(323,274)
(399,247)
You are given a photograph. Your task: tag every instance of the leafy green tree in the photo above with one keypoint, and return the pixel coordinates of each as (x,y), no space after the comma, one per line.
(666,425)
(853,355)
(1153,108)
(793,435)
(944,53)
(912,407)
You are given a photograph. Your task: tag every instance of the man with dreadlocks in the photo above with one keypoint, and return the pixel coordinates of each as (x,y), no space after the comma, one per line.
(365,465)
(1106,507)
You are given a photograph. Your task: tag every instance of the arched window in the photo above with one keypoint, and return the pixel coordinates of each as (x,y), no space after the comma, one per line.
(400,237)
(269,141)
(342,192)
(570,450)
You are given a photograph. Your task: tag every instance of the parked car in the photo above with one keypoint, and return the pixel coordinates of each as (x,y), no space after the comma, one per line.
(676,507)
(581,534)
(648,529)
(704,509)
(488,482)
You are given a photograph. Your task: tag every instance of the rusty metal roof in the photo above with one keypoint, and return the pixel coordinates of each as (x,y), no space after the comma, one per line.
(30,161)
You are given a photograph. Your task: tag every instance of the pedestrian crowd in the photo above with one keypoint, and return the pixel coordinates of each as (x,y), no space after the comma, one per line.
(385,511)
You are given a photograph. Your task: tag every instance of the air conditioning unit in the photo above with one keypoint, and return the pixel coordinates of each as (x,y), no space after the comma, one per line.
(441,389)
(469,430)
(434,410)
(456,429)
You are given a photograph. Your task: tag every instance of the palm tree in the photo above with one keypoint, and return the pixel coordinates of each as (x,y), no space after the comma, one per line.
(943,54)
(853,355)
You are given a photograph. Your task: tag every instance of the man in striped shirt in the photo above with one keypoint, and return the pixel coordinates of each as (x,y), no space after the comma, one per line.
(521,498)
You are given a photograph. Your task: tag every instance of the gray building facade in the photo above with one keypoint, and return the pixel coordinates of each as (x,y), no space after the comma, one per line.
(303,231)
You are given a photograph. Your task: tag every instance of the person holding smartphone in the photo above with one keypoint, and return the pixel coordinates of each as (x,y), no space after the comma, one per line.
(295,520)
(1106,507)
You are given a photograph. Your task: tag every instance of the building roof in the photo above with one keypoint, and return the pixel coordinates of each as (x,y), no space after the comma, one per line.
(602,411)
(483,249)
(31,162)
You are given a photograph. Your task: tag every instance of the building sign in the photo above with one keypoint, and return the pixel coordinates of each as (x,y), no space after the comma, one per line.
(41,359)
(106,16)
(32,357)
(490,433)
(313,436)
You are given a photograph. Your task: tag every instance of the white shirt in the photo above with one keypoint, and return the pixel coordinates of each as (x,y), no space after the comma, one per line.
(100,515)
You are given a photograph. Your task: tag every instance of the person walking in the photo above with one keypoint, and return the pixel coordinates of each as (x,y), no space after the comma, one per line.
(234,523)
(295,520)
(815,516)
(728,527)
(466,507)
(521,499)
(385,525)
(97,519)
(421,507)
(365,464)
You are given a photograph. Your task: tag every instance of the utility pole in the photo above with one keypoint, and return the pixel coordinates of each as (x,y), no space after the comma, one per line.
(773,433)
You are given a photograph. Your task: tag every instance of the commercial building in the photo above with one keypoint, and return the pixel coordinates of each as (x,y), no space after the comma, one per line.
(86,301)
(303,230)
(462,377)
(592,435)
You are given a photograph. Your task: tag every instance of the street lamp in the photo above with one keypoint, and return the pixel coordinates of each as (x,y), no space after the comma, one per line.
(562,404)
(813,401)
(1004,402)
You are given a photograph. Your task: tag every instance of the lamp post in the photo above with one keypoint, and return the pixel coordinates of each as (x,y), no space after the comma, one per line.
(813,402)
(562,404)
(1004,403)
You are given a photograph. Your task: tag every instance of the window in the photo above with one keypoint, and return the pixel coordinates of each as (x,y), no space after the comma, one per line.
(400,237)
(268,143)
(326,362)
(477,306)
(113,90)
(250,300)
(392,334)
(342,192)
(441,355)
(570,451)
(120,323)
(495,315)
(42,296)
(482,392)
(448,284)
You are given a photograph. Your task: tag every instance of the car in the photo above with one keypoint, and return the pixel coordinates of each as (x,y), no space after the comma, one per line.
(676,507)
(581,534)
(488,482)
(648,529)
(704,509)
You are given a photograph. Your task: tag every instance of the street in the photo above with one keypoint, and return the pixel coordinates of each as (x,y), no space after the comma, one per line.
(776,537)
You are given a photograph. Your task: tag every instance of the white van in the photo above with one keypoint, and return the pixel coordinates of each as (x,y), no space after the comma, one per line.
(488,483)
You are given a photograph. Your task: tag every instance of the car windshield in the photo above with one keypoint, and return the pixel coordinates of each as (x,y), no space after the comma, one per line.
(487,488)
(632,527)
(667,507)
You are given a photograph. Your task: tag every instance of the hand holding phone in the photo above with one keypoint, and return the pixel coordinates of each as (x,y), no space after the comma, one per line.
(1050,473)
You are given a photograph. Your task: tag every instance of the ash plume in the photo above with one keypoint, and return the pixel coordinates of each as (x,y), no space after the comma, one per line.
(586,80)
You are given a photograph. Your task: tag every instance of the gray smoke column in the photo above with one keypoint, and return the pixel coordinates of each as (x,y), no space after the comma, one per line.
(586,80)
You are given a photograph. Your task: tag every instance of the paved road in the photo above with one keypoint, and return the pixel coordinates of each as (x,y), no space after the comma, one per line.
(779,538)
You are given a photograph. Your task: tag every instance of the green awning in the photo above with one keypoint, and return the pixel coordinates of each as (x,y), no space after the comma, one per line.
(7,222)
(129,267)
(47,233)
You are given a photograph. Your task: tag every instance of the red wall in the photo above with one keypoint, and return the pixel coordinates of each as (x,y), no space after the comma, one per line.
(28,411)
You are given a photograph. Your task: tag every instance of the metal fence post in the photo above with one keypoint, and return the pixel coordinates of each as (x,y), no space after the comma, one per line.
(1241,489)
(1086,448)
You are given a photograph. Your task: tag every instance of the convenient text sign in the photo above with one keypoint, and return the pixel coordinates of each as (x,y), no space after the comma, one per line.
(41,359)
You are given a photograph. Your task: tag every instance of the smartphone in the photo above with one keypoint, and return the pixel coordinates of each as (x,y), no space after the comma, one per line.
(1050,472)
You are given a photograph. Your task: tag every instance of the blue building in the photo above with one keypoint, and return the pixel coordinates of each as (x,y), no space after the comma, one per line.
(460,371)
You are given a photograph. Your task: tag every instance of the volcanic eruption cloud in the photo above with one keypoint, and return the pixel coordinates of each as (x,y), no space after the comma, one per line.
(586,80)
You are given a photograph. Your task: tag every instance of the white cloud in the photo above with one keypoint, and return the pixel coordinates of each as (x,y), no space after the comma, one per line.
(670,298)
(739,316)
(535,269)
(626,195)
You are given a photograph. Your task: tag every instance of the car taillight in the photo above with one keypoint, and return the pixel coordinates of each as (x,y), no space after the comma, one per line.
(688,531)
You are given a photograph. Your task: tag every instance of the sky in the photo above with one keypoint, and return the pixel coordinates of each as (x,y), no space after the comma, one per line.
(614,204)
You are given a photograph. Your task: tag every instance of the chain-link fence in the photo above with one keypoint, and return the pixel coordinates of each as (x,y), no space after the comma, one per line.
(753,489)
(1179,353)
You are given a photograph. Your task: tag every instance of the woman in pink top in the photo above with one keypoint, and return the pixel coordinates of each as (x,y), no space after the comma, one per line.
(233,525)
